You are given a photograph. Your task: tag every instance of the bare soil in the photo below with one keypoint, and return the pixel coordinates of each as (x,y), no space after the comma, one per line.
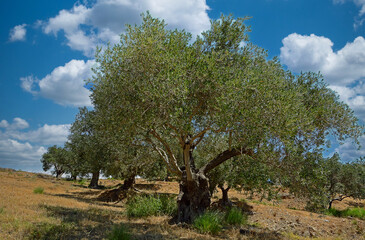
(67,202)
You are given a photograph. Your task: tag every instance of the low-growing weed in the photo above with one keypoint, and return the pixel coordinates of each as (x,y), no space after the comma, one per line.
(349,212)
(143,206)
(209,222)
(234,216)
(38,190)
(1,210)
(48,231)
(82,181)
(119,232)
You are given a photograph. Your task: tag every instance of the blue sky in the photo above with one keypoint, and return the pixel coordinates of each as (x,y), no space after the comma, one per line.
(47,48)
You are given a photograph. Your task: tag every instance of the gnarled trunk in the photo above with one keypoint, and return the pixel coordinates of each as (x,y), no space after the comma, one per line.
(194,197)
(94,183)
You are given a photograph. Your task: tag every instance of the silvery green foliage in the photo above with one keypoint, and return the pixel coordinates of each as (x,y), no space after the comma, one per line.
(160,90)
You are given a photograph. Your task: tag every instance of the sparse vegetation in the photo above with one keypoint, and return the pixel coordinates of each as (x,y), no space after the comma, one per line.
(48,231)
(38,190)
(234,216)
(349,212)
(149,205)
(209,222)
(119,232)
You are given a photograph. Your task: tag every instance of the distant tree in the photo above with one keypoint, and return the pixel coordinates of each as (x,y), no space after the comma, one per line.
(88,146)
(326,180)
(56,159)
(162,90)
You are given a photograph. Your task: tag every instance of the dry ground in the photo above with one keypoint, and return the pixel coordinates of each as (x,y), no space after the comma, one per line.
(75,207)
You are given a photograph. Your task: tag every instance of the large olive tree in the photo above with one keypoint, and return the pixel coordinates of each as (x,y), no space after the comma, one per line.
(161,89)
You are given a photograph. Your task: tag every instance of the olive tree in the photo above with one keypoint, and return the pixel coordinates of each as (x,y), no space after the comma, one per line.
(56,158)
(159,88)
(88,146)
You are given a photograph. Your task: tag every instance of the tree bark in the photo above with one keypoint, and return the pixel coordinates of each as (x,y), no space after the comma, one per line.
(94,183)
(225,202)
(194,197)
(128,183)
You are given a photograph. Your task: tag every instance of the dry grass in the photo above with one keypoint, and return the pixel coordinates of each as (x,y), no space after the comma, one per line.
(69,205)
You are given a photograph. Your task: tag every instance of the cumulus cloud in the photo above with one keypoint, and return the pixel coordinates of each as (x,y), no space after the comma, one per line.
(85,27)
(64,85)
(18,33)
(17,123)
(20,147)
(314,53)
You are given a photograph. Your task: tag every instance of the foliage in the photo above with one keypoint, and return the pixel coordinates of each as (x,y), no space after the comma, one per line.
(56,158)
(48,231)
(161,91)
(234,216)
(86,143)
(349,212)
(38,190)
(325,180)
(149,205)
(119,232)
(209,222)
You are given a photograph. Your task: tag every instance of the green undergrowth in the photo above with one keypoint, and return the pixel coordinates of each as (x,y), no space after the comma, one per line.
(119,232)
(38,190)
(349,212)
(213,222)
(49,231)
(151,205)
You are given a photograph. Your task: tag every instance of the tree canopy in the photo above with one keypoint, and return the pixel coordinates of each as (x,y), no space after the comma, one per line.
(163,90)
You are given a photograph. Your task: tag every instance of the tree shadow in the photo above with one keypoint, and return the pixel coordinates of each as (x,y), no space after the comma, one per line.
(95,223)
(81,198)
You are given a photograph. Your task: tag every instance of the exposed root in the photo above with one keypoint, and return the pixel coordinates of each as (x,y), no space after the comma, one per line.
(116,195)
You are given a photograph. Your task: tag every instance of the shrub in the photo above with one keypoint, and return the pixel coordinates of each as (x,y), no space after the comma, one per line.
(209,222)
(234,216)
(169,206)
(38,190)
(349,212)
(47,231)
(143,206)
(119,232)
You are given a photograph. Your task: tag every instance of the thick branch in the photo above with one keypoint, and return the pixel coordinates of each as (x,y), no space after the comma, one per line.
(222,157)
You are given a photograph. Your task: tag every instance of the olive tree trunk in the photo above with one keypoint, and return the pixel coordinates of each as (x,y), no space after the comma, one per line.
(194,197)
(94,183)
(225,202)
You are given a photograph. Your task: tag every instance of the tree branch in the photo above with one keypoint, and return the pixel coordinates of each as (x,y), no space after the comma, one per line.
(199,136)
(169,152)
(222,157)
(178,133)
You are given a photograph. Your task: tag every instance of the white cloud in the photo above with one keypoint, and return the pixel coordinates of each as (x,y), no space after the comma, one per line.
(85,27)
(64,85)
(18,123)
(47,134)
(349,151)
(24,148)
(18,33)
(341,68)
